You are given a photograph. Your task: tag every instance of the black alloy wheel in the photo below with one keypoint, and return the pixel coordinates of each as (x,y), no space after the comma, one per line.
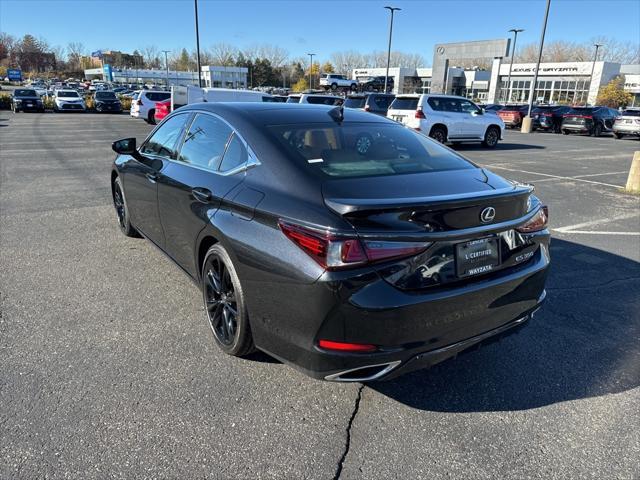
(438,134)
(224,303)
(491,137)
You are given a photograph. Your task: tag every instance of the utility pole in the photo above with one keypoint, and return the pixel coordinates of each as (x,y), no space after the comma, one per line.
(198,45)
(310,69)
(593,67)
(527,122)
(513,54)
(166,64)
(386,77)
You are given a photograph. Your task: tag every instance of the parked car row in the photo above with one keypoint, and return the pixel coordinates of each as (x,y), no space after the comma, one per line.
(334,81)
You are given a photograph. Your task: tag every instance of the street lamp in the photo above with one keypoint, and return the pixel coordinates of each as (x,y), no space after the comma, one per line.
(166,64)
(310,68)
(195,2)
(513,54)
(526,124)
(386,77)
(593,67)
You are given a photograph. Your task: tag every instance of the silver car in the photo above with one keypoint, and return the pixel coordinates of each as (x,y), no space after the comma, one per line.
(628,123)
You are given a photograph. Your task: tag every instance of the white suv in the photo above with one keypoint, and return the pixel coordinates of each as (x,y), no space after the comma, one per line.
(447,118)
(144,104)
(333,81)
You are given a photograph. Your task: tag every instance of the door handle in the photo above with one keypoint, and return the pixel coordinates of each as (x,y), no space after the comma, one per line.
(152,177)
(202,194)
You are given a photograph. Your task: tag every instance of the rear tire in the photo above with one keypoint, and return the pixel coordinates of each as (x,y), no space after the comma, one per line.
(439,134)
(618,135)
(151,119)
(224,303)
(491,137)
(565,132)
(354,87)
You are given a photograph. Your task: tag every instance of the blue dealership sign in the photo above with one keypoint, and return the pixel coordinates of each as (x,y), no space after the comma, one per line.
(97,54)
(14,75)
(107,74)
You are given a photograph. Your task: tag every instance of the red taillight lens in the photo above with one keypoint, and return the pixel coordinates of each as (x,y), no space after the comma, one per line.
(537,223)
(420,113)
(334,252)
(346,347)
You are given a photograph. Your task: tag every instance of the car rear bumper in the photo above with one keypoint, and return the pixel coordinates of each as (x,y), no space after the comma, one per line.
(411,329)
(626,129)
(577,128)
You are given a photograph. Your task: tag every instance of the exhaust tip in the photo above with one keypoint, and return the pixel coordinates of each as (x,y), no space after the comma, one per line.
(363,374)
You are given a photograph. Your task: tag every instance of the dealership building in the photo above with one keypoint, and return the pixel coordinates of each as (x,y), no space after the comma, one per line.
(562,83)
(212,76)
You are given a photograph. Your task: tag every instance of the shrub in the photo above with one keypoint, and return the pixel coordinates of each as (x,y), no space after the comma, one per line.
(48,102)
(5,101)
(125,101)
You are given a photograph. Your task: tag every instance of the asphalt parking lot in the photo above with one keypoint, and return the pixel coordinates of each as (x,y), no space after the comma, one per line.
(108,368)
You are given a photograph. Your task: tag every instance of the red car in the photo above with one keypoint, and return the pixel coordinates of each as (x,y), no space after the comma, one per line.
(162,110)
(512,115)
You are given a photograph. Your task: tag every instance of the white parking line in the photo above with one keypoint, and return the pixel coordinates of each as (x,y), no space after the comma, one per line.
(555,176)
(574,228)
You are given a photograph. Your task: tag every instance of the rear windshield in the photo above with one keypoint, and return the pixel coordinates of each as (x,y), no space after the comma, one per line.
(25,93)
(105,95)
(324,100)
(68,94)
(357,102)
(404,103)
(293,99)
(631,113)
(364,149)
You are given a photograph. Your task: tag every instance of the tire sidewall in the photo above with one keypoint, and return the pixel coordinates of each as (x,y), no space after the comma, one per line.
(238,347)
(438,130)
(126,226)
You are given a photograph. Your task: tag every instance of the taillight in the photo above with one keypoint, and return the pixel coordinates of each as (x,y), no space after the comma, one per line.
(538,222)
(367,108)
(420,113)
(335,252)
(346,347)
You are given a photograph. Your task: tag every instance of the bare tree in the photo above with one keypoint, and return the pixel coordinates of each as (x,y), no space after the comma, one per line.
(75,51)
(151,56)
(7,43)
(347,61)
(223,54)
(276,55)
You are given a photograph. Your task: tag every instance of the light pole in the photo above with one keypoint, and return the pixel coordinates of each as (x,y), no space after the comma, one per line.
(526,123)
(310,68)
(195,3)
(166,64)
(593,67)
(386,77)
(513,53)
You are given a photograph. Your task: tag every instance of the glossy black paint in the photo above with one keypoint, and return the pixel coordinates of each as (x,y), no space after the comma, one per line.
(407,307)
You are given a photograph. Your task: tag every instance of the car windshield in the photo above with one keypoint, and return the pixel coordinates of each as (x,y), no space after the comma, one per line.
(68,94)
(25,93)
(355,102)
(404,103)
(105,96)
(631,113)
(364,149)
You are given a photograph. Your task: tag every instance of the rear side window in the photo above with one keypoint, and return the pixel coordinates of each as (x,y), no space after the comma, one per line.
(404,103)
(235,156)
(205,142)
(164,140)
(158,96)
(364,149)
(444,104)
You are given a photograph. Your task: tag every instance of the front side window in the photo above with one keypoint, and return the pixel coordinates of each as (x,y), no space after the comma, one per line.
(364,149)
(163,142)
(467,107)
(205,142)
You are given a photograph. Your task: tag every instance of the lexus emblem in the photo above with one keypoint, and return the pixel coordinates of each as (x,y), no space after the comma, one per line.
(487,215)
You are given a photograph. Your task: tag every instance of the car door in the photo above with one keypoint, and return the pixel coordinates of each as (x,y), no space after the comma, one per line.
(473,123)
(209,165)
(141,176)
(448,112)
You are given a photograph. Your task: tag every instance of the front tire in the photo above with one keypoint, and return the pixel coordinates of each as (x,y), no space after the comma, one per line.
(617,135)
(122,211)
(334,86)
(224,303)
(491,137)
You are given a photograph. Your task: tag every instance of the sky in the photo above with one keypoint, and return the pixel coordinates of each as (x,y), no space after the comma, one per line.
(320,27)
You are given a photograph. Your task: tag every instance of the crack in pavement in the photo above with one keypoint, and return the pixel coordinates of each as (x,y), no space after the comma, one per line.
(347,443)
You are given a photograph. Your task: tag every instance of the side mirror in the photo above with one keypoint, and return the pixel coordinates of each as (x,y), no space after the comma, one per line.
(126,146)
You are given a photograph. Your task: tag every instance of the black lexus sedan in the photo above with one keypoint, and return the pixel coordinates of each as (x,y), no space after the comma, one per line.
(25,100)
(106,101)
(337,241)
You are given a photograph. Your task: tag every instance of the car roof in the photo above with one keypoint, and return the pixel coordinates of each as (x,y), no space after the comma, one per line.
(274,113)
